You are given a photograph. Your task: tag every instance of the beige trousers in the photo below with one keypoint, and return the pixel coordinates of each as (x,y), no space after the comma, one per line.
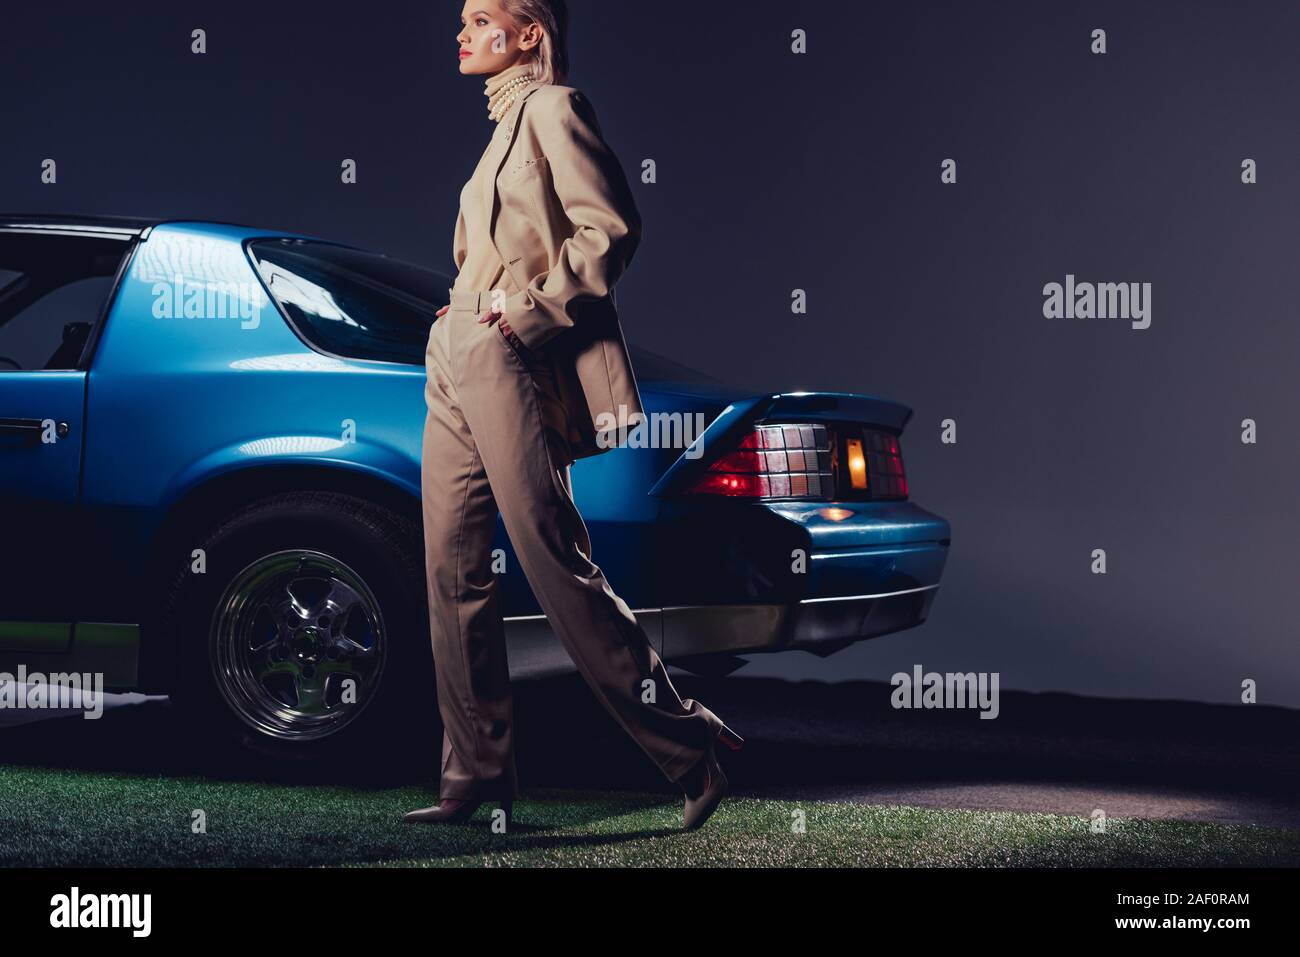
(494,438)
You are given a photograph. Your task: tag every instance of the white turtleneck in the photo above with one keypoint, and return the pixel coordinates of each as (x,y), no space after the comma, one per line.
(502,89)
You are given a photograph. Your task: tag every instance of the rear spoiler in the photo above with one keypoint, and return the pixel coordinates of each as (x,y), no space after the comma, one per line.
(740,416)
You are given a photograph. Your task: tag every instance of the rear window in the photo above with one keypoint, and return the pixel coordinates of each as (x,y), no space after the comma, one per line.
(352,303)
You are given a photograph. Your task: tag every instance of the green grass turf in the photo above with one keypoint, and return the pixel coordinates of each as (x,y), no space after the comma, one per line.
(62,817)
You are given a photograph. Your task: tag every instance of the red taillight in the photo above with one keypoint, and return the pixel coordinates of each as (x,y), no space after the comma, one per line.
(725,483)
(773,461)
(885,474)
(808,461)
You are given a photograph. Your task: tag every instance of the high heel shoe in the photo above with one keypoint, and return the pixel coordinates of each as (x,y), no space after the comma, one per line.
(453,811)
(705,783)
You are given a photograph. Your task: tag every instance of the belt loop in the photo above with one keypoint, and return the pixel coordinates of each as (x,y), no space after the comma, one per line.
(478,303)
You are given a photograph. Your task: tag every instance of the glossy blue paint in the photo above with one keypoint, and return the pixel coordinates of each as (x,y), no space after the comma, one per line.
(176,405)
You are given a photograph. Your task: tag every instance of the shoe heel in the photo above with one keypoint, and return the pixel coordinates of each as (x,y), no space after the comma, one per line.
(730,738)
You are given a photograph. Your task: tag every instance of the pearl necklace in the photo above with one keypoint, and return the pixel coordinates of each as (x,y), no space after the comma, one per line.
(505,97)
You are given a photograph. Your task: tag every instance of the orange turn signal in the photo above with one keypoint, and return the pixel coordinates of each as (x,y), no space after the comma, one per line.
(857,464)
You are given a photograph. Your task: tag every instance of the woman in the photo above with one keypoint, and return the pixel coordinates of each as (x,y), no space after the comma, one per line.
(527,370)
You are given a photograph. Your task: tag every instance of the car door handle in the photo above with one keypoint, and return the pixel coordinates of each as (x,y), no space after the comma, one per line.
(30,428)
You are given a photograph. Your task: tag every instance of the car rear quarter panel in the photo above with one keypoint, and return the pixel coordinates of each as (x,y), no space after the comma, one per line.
(178,402)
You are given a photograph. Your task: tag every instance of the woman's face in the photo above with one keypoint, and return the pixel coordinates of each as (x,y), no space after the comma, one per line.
(488,40)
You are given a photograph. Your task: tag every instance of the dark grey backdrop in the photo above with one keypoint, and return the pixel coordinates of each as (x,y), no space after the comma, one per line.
(821,172)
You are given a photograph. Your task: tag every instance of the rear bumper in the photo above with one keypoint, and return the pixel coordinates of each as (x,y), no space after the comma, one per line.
(749,578)
(781,553)
(819,625)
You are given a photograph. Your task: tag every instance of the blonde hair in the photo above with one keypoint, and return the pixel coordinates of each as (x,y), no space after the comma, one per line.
(550,62)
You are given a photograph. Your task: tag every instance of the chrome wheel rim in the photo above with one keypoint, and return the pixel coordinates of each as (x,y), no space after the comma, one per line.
(297,645)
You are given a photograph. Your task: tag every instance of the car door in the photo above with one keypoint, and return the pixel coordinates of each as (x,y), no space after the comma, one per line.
(55,284)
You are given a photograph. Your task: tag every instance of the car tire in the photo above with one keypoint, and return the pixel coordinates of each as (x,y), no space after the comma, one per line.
(304,637)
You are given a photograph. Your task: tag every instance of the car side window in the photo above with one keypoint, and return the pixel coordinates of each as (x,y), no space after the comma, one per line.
(34,336)
(52,292)
(349,302)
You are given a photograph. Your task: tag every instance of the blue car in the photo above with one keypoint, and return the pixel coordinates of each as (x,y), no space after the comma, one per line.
(210,488)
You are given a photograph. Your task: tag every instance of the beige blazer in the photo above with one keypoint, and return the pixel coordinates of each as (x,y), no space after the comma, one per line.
(565,226)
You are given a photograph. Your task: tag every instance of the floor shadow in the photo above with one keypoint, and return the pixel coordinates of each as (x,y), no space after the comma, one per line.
(803,739)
